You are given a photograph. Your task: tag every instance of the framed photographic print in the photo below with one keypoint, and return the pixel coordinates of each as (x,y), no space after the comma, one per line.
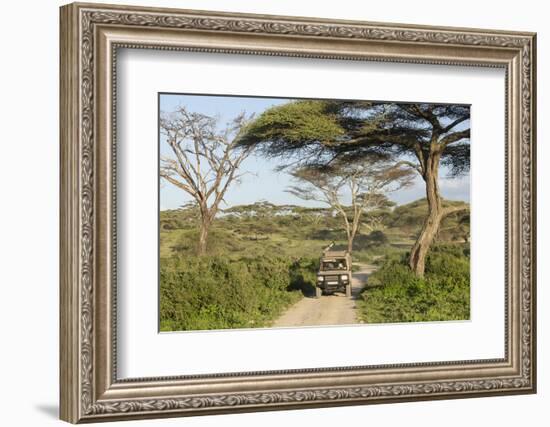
(266,212)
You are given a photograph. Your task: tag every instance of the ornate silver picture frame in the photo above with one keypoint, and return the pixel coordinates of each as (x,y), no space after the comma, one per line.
(91,35)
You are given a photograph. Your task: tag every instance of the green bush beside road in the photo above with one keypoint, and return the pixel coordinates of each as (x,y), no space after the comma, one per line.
(394,294)
(200,293)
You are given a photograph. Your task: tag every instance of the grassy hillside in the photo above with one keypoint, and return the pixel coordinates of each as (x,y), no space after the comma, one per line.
(265,230)
(263,258)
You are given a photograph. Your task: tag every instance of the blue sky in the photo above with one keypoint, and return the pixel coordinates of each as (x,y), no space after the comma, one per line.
(263,182)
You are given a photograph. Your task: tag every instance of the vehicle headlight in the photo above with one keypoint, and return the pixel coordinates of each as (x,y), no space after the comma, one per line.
(320,278)
(344,277)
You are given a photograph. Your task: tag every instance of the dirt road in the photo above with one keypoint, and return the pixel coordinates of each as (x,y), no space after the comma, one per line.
(333,309)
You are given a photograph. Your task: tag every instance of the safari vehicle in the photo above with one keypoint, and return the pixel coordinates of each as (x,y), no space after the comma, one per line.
(334,272)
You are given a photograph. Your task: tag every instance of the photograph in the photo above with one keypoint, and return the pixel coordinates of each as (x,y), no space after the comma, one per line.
(278,212)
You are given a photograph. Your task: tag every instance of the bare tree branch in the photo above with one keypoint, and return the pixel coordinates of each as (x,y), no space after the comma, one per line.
(454,123)
(454,137)
(205,159)
(364,184)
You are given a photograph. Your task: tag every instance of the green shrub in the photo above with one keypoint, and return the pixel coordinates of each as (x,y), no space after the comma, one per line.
(394,294)
(216,293)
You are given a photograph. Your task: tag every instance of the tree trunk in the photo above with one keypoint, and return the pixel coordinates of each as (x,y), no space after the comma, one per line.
(206,220)
(350,244)
(353,231)
(203,238)
(431,224)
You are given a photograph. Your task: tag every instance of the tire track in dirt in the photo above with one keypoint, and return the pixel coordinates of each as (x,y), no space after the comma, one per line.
(333,309)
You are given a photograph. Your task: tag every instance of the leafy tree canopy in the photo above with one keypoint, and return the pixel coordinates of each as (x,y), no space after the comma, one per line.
(292,127)
(316,132)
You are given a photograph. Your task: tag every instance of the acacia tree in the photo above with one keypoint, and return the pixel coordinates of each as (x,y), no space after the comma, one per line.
(424,136)
(421,136)
(205,160)
(364,184)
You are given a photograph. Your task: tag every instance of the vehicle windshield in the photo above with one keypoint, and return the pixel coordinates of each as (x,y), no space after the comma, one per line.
(333,264)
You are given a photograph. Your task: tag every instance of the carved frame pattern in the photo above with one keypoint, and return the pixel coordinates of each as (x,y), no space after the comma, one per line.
(80,22)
